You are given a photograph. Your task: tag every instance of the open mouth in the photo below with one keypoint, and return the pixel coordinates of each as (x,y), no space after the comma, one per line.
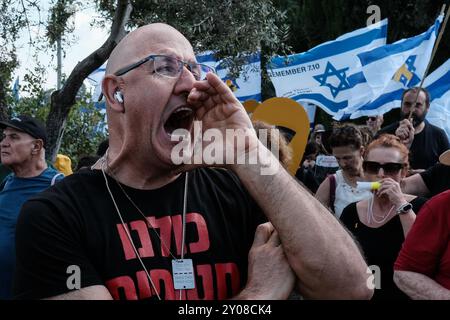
(181,118)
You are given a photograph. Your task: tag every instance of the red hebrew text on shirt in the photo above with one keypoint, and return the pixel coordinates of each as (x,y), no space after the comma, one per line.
(213,281)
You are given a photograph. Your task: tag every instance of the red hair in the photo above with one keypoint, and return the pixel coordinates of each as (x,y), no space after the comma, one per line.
(389,141)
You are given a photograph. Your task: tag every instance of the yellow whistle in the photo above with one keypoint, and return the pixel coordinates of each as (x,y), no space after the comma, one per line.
(363,185)
(375,185)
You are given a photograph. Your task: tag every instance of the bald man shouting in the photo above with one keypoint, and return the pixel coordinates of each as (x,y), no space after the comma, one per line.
(144,223)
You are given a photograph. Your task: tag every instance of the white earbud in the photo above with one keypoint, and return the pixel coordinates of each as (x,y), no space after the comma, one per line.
(119,96)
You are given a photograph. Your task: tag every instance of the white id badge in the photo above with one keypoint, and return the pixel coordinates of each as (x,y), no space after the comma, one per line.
(183,274)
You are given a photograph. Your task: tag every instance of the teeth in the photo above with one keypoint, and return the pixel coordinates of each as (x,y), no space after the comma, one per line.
(182,109)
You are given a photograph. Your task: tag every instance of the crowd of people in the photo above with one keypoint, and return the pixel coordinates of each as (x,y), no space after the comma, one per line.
(138,226)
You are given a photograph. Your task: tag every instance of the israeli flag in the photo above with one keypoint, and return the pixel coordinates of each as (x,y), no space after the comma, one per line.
(95,79)
(311,112)
(16,89)
(438,84)
(328,75)
(391,69)
(248,85)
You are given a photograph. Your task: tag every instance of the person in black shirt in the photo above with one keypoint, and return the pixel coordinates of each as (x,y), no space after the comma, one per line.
(306,173)
(140,224)
(432,181)
(381,223)
(424,140)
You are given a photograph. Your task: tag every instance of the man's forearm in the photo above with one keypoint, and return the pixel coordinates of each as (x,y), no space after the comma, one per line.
(415,185)
(420,287)
(321,253)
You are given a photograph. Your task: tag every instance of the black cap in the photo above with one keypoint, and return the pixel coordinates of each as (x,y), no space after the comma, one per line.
(27,124)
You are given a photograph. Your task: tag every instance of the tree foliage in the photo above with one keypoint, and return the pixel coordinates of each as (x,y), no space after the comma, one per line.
(84,130)
(64,99)
(229,27)
(58,22)
(225,26)
(13,18)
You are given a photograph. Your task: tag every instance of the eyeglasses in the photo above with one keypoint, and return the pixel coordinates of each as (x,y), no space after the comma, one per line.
(389,168)
(372,118)
(170,67)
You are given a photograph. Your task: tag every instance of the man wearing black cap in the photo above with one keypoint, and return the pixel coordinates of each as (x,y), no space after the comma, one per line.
(23,151)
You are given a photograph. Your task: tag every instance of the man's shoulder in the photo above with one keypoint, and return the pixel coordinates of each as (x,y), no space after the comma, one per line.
(8,177)
(434,129)
(61,198)
(443,196)
(79,183)
(51,174)
(439,203)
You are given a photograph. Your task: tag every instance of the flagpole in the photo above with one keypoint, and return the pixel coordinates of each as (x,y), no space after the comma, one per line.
(433,52)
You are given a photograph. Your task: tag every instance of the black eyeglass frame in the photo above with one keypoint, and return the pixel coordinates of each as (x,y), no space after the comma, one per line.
(188,65)
(132,66)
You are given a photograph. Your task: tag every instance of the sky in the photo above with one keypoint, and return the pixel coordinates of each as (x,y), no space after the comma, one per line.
(87,40)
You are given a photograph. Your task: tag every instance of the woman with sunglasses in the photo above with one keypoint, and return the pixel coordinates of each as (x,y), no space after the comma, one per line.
(381,223)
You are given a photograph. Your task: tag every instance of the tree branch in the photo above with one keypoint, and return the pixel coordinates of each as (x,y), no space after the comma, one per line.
(26,20)
(84,68)
(63,100)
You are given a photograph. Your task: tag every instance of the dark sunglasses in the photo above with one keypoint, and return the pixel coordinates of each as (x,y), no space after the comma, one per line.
(372,118)
(389,168)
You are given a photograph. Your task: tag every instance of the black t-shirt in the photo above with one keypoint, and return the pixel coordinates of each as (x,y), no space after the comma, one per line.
(76,224)
(380,246)
(437,178)
(427,145)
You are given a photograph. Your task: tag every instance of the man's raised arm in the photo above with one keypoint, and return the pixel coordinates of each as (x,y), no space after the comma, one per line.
(323,255)
(325,258)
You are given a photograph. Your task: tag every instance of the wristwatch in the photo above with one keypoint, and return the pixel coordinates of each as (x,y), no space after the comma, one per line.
(404,208)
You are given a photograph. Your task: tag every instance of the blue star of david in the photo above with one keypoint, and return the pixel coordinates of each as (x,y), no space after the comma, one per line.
(330,71)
